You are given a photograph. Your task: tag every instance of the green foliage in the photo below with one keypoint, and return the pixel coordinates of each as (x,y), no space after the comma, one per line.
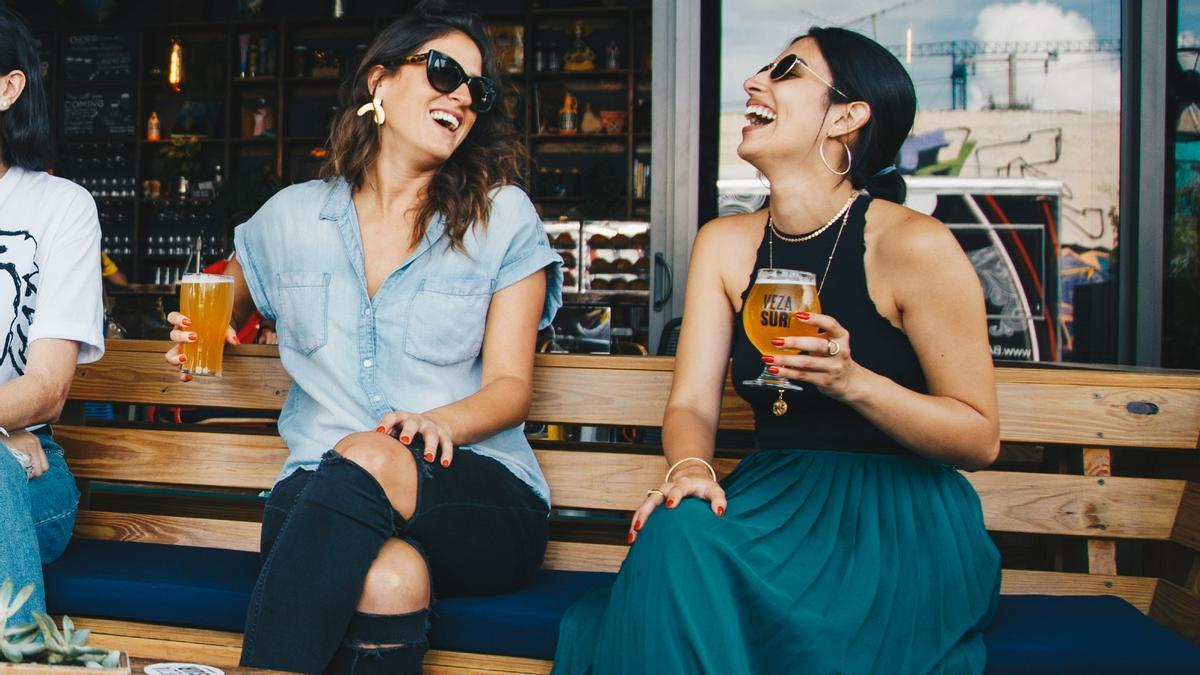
(42,641)
(180,155)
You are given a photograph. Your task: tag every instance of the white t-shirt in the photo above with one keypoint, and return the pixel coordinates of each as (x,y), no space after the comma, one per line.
(49,268)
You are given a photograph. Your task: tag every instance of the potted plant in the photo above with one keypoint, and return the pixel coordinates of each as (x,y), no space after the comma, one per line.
(180,159)
(40,647)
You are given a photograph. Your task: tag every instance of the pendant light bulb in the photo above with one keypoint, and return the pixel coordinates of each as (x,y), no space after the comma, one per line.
(175,66)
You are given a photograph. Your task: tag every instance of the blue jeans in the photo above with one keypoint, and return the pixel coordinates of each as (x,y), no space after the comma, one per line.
(38,515)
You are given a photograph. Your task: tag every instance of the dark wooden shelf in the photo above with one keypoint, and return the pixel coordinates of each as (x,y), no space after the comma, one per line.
(167,141)
(598,74)
(288,155)
(175,201)
(267,80)
(633,297)
(591,138)
(313,80)
(570,12)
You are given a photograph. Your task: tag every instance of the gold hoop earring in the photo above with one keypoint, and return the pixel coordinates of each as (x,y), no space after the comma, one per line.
(376,107)
(821,152)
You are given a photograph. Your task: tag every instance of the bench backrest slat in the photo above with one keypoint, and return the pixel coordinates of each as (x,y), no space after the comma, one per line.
(1037,405)
(1120,508)
(173,457)
(242,536)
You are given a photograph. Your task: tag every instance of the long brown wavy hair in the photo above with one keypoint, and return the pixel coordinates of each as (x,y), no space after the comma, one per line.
(490,156)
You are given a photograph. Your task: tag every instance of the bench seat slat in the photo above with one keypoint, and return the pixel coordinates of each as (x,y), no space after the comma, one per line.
(223,649)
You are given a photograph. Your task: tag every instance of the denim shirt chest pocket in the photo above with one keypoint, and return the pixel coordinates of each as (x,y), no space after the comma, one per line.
(446,319)
(302,300)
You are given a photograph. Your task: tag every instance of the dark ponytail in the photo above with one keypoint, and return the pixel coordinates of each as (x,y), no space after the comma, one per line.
(868,72)
(25,126)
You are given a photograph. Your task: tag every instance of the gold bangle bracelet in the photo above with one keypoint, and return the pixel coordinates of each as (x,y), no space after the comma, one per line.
(674,466)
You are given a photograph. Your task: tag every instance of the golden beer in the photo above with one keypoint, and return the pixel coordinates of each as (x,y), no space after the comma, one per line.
(770,312)
(207,300)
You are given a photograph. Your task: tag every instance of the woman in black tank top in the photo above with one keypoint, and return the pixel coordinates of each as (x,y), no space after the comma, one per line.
(848,541)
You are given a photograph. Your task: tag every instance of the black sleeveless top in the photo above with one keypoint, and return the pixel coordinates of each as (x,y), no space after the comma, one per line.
(815,421)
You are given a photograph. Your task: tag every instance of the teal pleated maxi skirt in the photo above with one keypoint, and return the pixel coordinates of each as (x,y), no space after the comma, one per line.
(824,562)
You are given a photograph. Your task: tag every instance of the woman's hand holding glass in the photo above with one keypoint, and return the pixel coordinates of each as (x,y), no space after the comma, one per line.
(823,361)
(686,481)
(182,334)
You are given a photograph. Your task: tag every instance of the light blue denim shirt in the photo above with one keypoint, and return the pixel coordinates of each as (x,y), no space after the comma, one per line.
(415,345)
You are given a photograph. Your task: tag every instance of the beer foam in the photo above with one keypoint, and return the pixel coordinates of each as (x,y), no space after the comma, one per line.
(204,278)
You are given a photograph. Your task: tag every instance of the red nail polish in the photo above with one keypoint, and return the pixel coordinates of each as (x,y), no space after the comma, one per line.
(720,510)
(637,525)
(429,457)
(629,538)
(803,316)
(773,370)
(405,440)
(182,358)
(192,337)
(185,323)
(380,429)
(778,342)
(187,378)
(768,359)
(670,503)
(446,463)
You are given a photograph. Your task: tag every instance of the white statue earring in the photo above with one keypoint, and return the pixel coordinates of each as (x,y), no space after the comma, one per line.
(375,106)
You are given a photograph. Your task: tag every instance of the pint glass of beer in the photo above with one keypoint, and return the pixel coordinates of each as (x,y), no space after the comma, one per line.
(770,311)
(206,299)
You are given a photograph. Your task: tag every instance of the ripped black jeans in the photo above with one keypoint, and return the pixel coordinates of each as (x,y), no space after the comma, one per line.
(480,529)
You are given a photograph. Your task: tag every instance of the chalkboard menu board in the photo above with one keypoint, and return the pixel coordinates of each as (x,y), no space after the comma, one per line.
(99,57)
(97,114)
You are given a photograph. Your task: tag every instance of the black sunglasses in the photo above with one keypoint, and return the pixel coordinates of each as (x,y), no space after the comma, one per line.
(784,67)
(445,75)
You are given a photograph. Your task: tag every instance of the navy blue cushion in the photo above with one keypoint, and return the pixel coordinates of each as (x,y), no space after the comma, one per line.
(156,583)
(1082,634)
(524,623)
(210,588)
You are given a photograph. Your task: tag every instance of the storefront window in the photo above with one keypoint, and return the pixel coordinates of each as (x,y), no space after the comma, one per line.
(1015,148)
(1181,315)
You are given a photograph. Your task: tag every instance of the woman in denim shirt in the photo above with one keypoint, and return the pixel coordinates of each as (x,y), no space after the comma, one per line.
(407,290)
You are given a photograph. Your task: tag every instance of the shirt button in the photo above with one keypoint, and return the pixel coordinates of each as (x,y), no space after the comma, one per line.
(367,312)
(376,398)
(367,363)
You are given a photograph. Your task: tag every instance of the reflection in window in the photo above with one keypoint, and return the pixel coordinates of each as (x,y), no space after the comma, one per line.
(1015,148)
(1181,318)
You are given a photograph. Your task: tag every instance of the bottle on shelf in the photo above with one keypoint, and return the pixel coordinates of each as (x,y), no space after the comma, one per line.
(153,128)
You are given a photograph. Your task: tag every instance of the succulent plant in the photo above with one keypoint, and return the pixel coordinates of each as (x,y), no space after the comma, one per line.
(68,646)
(16,642)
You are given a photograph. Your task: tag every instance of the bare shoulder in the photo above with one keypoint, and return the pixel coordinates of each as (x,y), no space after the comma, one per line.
(735,230)
(724,251)
(906,237)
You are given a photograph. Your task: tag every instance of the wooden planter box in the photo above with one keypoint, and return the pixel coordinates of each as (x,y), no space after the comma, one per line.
(44,669)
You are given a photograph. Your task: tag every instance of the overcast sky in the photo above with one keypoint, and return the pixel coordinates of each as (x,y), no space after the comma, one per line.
(755,31)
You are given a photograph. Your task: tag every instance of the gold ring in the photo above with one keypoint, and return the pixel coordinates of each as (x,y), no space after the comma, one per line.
(660,493)
(832,348)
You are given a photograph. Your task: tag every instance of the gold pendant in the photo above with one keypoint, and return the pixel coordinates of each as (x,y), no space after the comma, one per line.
(780,406)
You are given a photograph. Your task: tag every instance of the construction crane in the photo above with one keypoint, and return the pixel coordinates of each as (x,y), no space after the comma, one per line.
(964,53)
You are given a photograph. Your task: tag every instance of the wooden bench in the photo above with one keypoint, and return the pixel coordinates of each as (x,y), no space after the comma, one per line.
(1089,416)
